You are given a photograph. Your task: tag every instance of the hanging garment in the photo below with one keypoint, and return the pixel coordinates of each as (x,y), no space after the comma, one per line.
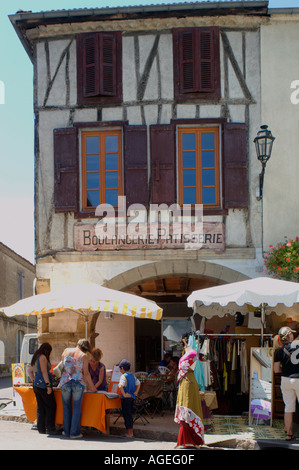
(244,368)
(198,371)
(225,376)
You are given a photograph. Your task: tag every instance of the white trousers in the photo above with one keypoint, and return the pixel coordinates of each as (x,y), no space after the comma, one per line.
(290,392)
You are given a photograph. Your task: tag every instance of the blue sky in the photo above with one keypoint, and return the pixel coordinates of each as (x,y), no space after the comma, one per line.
(17,120)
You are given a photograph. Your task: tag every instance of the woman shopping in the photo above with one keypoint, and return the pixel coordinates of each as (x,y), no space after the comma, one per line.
(72,383)
(39,373)
(286,363)
(188,412)
(97,370)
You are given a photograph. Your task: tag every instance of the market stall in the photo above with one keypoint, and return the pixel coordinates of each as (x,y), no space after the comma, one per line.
(94,406)
(225,356)
(85,299)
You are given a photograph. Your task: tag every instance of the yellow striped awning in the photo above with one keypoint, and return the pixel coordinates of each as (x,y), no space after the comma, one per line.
(86,299)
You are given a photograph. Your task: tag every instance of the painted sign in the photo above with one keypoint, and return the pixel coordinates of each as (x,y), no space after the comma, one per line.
(211,235)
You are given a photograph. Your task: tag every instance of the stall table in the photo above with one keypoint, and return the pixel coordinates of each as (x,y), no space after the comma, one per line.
(94,406)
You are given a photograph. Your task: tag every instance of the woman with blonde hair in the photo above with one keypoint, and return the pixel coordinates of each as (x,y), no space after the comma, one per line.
(72,383)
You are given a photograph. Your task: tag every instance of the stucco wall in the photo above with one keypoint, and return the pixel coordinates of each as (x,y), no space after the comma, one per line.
(280,67)
(56,100)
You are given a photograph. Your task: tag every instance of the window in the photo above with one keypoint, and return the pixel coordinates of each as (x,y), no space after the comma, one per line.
(99,67)
(101,168)
(85,168)
(198,166)
(184,158)
(196,63)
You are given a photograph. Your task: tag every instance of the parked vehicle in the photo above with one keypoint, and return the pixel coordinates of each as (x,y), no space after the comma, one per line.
(29,346)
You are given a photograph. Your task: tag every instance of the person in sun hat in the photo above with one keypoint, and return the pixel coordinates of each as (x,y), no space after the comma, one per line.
(286,362)
(129,386)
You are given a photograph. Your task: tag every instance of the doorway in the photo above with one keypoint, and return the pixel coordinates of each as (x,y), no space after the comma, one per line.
(171,294)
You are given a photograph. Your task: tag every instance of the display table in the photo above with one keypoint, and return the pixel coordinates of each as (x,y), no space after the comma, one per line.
(94,406)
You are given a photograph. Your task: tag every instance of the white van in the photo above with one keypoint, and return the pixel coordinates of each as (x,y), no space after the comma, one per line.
(29,346)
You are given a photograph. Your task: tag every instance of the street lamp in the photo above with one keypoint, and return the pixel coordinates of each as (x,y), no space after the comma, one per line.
(263,145)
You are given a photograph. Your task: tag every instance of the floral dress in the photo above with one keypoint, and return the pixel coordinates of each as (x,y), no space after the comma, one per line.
(188,412)
(72,370)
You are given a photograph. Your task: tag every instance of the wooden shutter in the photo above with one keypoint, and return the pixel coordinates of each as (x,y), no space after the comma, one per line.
(99,67)
(163,164)
(187,44)
(196,63)
(107,64)
(206,61)
(135,164)
(235,165)
(91,83)
(65,170)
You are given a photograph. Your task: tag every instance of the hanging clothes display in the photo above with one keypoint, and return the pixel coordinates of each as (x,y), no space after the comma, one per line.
(224,360)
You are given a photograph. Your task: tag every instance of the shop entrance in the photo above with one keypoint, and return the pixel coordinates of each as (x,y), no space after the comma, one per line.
(153,338)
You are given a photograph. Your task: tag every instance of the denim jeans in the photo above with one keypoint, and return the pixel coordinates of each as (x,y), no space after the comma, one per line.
(71,417)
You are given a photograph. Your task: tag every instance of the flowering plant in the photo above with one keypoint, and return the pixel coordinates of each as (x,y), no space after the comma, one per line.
(282,261)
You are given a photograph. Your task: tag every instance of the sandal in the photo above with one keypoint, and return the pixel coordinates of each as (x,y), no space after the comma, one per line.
(290,437)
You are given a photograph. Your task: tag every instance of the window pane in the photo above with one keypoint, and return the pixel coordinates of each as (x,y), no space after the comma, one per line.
(189,196)
(112,197)
(111,180)
(208,177)
(188,141)
(208,159)
(189,178)
(188,159)
(93,199)
(92,163)
(208,196)
(111,143)
(111,162)
(92,180)
(207,141)
(92,144)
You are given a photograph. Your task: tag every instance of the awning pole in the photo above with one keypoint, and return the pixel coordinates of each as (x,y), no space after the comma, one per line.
(262,323)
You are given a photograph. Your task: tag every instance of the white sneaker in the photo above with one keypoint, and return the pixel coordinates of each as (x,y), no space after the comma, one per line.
(77,437)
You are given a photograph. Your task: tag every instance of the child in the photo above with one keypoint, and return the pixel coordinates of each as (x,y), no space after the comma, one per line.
(129,386)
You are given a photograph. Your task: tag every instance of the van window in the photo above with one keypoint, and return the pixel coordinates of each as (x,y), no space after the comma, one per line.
(32,345)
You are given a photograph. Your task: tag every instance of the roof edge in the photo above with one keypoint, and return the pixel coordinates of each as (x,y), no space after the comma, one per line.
(26,20)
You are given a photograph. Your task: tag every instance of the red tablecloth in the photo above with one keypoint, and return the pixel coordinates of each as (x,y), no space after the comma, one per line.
(93,407)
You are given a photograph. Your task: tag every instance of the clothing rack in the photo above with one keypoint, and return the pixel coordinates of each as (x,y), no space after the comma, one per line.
(231,334)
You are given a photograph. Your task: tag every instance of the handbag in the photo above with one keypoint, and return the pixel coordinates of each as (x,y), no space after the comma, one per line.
(58,369)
